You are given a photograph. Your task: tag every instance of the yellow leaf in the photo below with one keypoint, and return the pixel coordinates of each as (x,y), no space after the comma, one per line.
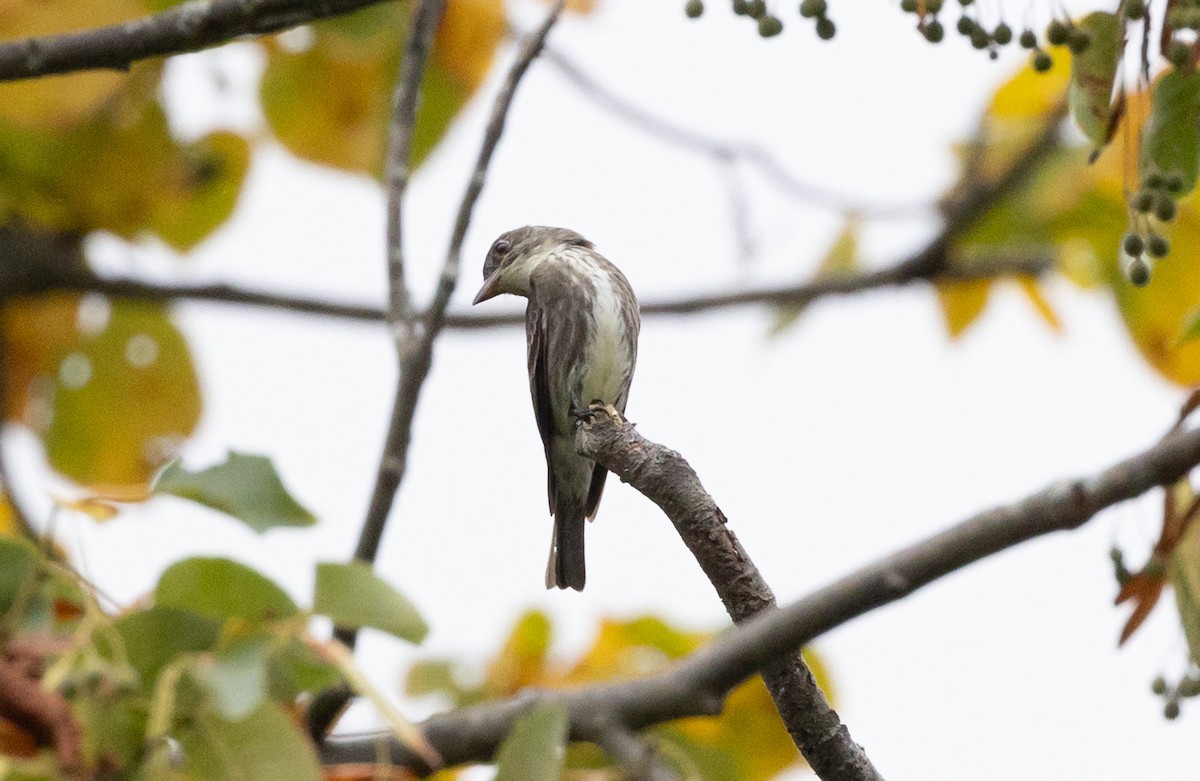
(1156,314)
(840,260)
(962,302)
(331,102)
(521,661)
(111,399)
(58,101)
(96,508)
(1034,292)
(467,39)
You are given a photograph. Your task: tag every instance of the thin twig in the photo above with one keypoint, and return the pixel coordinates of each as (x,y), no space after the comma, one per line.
(329,704)
(696,685)
(408,88)
(636,757)
(901,274)
(416,353)
(664,477)
(415,338)
(720,151)
(187,27)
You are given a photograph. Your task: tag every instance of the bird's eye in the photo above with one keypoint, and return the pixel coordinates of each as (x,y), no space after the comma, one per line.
(500,247)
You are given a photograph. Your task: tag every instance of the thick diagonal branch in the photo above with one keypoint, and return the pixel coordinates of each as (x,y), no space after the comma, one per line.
(666,478)
(698,684)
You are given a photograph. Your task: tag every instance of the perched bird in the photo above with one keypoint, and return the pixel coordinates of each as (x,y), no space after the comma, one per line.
(581,325)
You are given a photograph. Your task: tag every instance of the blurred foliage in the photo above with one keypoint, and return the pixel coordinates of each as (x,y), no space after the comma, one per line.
(747,742)
(205,679)
(97,152)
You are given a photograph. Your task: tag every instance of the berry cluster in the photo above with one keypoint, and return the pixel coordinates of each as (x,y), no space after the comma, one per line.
(1155,198)
(1188,686)
(770,25)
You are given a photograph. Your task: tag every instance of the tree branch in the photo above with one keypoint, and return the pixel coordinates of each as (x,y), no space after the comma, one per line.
(415,336)
(636,757)
(894,276)
(665,478)
(187,27)
(698,684)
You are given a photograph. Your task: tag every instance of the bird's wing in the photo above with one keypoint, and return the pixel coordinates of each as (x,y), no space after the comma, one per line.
(537,338)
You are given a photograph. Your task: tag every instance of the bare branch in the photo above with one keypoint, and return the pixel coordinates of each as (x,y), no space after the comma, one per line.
(636,757)
(407,336)
(415,336)
(187,27)
(124,287)
(697,685)
(720,151)
(664,477)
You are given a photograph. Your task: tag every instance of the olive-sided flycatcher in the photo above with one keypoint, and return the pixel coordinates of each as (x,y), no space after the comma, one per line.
(581,325)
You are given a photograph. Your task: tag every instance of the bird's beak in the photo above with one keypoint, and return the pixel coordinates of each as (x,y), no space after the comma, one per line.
(490,289)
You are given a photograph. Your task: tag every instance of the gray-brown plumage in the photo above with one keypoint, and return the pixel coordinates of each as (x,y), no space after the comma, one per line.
(581,325)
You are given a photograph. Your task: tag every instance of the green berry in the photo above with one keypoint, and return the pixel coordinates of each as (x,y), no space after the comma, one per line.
(966,25)
(1159,686)
(694,8)
(1057,33)
(1179,53)
(1042,62)
(1157,246)
(1028,39)
(813,9)
(1165,209)
(1189,687)
(908,6)
(1155,181)
(741,7)
(1080,41)
(980,39)
(1135,9)
(769,26)
(756,9)
(933,7)
(1139,272)
(1116,554)
(1143,201)
(1171,710)
(826,29)
(1002,34)
(1134,245)
(1174,182)
(934,32)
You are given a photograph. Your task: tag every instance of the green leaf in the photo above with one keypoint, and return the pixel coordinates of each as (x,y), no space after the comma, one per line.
(120,391)
(1171,143)
(1191,329)
(154,637)
(1092,76)
(296,668)
(354,596)
(1184,571)
(237,678)
(246,487)
(840,260)
(222,589)
(265,746)
(18,562)
(533,750)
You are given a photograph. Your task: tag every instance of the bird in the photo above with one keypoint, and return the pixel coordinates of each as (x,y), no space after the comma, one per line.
(581,330)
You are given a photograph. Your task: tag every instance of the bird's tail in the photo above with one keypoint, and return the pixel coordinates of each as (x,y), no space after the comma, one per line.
(566,568)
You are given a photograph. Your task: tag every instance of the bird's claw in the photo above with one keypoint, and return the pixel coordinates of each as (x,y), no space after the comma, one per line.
(596,407)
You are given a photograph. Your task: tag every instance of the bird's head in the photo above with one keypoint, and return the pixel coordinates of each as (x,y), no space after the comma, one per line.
(516,253)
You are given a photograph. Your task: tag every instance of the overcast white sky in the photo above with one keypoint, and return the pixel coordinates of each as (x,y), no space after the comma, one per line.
(860,430)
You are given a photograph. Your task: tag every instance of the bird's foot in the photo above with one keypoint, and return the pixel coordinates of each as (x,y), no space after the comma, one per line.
(593,409)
